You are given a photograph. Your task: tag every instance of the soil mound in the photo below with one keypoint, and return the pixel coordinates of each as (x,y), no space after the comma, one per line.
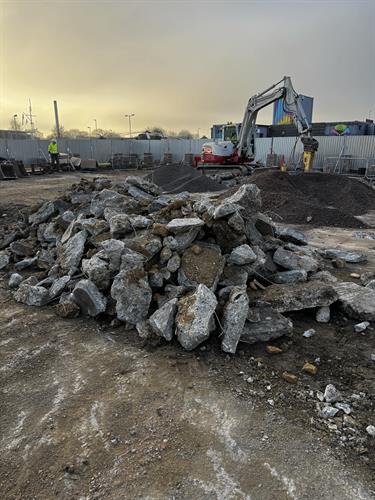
(178,178)
(331,200)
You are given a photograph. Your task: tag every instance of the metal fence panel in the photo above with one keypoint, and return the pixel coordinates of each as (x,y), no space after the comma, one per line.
(103,149)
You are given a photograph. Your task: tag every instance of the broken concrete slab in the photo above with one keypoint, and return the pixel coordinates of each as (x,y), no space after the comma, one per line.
(58,286)
(178,226)
(234,317)
(325,276)
(132,293)
(89,298)
(25,263)
(45,212)
(346,255)
(174,263)
(291,235)
(356,301)
(194,319)
(148,245)
(32,295)
(204,267)
(248,197)
(264,324)
(225,209)
(162,321)
(119,225)
(22,248)
(97,270)
(285,298)
(111,250)
(139,195)
(242,255)
(291,260)
(293,276)
(70,254)
(264,225)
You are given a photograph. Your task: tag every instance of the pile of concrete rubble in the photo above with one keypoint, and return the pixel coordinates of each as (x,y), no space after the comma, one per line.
(185,266)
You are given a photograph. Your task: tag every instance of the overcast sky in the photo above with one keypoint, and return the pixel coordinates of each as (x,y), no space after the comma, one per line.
(182,64)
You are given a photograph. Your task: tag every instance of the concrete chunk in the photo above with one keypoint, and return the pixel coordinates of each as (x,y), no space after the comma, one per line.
(356,301)
(299,296)
(71,253)
(32,295)
(4,260)
(290,234)
(293,276)
(178,226)
(234,317)
(242,255)
(89,298)
(347,255)
(194,319)
(97,271)
(162,321)
(291,260)
(132,294)
(264,324)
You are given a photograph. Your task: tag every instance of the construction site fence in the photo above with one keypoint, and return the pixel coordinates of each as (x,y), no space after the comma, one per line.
(103,150)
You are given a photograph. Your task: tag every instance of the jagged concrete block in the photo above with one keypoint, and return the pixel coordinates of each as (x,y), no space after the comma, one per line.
(234,317)
(89,298)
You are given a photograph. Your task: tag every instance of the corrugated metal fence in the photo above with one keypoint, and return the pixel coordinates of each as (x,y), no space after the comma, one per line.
(103,149)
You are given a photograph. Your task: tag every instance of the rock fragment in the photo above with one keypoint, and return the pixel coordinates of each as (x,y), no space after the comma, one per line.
(32,295)
(242,255)
(71,253)
(291,260)
(331,394)
(264,324)
(162,321)
(194,320)
(234,317)
(4,260)
(323,314)
(15,280)
(89,298)
(356,301)
(346,255)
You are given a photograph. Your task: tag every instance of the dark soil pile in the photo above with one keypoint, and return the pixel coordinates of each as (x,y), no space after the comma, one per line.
(178,178)
(331,200)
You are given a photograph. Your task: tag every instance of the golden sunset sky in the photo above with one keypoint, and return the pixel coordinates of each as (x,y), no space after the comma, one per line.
(182,64)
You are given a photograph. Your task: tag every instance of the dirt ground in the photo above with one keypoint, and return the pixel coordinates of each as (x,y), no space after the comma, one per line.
(89,412)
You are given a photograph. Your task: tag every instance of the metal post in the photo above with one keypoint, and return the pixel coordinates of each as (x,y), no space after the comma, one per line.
(56,119)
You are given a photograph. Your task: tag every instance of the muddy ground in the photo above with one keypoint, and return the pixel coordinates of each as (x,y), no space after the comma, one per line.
(88,411)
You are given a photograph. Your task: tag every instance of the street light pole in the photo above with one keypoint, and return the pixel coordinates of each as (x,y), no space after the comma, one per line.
(130,123)
(96,126)
(15,121)
(89,131)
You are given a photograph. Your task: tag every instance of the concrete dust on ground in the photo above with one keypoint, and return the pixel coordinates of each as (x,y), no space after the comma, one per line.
(88,411)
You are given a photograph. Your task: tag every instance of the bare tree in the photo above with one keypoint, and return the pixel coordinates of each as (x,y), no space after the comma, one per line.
(185,134)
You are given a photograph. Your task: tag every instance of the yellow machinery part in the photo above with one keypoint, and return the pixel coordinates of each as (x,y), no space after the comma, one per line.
(308,159)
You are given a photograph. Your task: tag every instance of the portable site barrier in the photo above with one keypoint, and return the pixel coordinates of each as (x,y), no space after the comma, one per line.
(346,165)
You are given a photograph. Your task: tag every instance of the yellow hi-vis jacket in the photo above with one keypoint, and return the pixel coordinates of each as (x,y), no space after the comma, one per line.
(52,148)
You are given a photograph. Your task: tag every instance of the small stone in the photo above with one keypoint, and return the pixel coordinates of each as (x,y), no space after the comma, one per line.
(323,314)
(355,275)
(174,263)
(196,249)
(290,234)
(4,260)
(290,377)
(331,394)
(339,263)
(310,368)
(344,407)
(361,327)
(370,429)
(15,280)
(328,411)
(67,309)
(159,229)
(372,357)
(272,349)
(58,286)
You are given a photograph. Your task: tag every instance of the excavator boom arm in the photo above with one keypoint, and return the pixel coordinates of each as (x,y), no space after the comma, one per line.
(292,105)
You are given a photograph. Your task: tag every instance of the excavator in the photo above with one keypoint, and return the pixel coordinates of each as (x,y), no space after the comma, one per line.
(241,149)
